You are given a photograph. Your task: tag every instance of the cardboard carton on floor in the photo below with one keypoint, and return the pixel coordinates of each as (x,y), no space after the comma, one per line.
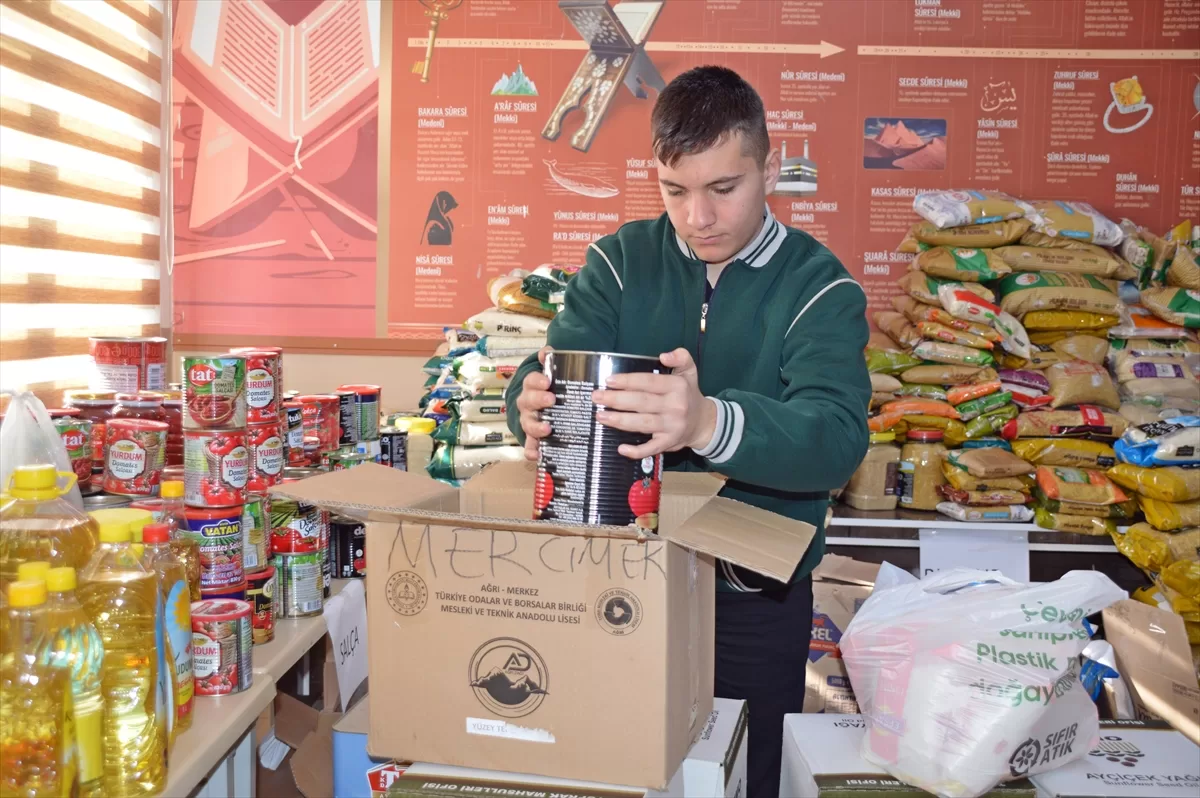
(715,766)
(523,646)
(821,760)
(1132,759)
(840,586)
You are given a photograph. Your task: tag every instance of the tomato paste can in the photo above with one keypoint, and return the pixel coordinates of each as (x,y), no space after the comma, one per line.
(216,467)
(295,527)
(298,582)
(582,478)
(76,434)
(214,392)
(134,449)
(347,424)
(393,448)
(294,433)
(218,535)
(267,456)
(96,407)
(348,543)
(366,410)
(342,460)
(260,593)
(262,386)
(256,535)
(222,642)
(127,365)
(320,414)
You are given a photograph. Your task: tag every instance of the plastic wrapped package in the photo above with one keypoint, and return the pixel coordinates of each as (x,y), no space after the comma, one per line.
(1155,388)
(1092,348)
(919,391)
(1074,320)
(510,345)
(966,393)
(1015,513)
(1170,516)
(1075,524)
(982,310)
(463,462)
(1145,547)
(921,651)
(989,463)
(475,372)
(940,352)
(984,404)
(897,327)
(1162,443)
(1174,305)
(1065,452)
(881,361)
(947,374)
(1086,422)
(991,422)
(959,207)
(989,234)
(884,383)
(475,433)
(1184,271)
(1094,260)
(501,322)
(954,432)
(1032,291)
(963,480)
(924,288)
(1079,485)
(477,408)
(1183,576)
(997,497)
(1026,398)
(940,332)
(1165,484)
(1078,221)
(961,263)
(1078,382)
(1123,512)
(918,312)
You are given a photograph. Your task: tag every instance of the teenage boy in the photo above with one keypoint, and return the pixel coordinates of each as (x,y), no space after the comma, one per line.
(764,331)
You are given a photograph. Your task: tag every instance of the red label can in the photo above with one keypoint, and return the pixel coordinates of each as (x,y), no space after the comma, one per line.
(76,434)
(222,645)
(127,365)
(217,532)
(216,467)
(262,386)
(265,442)
(135,450)
(214,392)
(295,527)
(260,592)
(293,413)
(320,418)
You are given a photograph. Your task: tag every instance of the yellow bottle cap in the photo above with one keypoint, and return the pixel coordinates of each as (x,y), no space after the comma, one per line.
(60,579)
(122,515)
(32,571)
(883,437)
(114,532)
(26,594)
(172,489)
(421,426)
(34,482)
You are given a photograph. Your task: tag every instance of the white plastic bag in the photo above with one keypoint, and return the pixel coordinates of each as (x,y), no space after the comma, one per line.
(28,437)
(968,678)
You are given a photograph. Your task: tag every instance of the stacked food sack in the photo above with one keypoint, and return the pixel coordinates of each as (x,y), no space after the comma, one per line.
(467,383)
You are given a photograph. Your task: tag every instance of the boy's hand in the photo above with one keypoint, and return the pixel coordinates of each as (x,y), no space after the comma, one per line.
(669,407)
(535,396)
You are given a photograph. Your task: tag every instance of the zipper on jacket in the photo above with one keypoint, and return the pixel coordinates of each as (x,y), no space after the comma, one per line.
(710,292)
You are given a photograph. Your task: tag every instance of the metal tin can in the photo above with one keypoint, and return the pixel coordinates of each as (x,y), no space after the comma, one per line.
(238,594)
(347,424)
(295,527)
(342,460)
(298,582)
(291,474)
(262,386)
(256,536)
(214,392)
(260,593)
(127,364)
(266,456)
(218,535)
(326,556)
(393,448)
(320,414)
(294,433)
(135,450)
(216,467)
(371,449)
(222,642)
(366,410)
(76,434)
(581,477)
(348,542)
(97,407)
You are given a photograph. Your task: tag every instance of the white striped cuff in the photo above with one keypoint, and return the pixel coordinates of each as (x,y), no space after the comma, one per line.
(727,433)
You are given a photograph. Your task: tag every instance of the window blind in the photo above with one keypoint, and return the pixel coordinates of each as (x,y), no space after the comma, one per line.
(82,98)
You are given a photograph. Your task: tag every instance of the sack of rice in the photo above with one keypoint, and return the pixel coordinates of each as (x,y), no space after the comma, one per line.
(955,208)
(1075,220)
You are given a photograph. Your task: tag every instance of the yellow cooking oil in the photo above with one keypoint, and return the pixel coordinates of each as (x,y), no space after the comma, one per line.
(37,744)
(74,645)
(174,629)
(38,524)
(186,549)
(120,598)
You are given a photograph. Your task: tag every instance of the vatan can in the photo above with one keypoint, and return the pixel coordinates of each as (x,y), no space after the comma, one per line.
(299,586)
(214,392)
(293,413)
(216,467)
(366,410)
(134,452)
(295,526)
(347,424)
(222,642)
(76,434)
(581,477)
(127,365)
(262,386)
(218,535)
(256,535)
(267,456)
(348,544)
(393,448)
(260,594)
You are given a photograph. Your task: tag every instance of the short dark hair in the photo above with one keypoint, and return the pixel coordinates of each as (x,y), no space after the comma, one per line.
(700,108)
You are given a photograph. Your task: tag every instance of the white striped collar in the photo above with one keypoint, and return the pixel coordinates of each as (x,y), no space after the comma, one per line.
(761,248)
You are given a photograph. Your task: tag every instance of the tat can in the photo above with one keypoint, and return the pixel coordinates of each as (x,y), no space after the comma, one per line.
(134,452)
(582,478)
(320,414)
(260,594)
(262,386)
(347,424)
(267,456)
(76,434)
(348,542)
(366,410)
(218,535)
(216,467)
(294,433)
(393,448)
(295,527)
(128,365)
(214,392)
(256,537)
(298,582)
(222,643)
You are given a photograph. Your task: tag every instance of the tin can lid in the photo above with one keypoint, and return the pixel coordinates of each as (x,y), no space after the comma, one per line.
(256,350)
(926,435)
(63,412)
(141,399)
(316,398)
(139,424)
(136,340)
(90,398)
(361,389)
(219,609)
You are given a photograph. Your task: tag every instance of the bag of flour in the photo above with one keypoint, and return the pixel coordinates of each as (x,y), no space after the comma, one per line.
(968,679)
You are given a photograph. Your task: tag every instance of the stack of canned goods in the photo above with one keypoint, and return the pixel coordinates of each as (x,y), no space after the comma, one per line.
(300,549)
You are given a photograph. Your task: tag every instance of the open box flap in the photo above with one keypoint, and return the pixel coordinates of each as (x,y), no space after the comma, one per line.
(756,539)
(370,487)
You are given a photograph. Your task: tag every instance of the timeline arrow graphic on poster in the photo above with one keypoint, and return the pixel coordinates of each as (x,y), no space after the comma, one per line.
(1029,52)
(823,49)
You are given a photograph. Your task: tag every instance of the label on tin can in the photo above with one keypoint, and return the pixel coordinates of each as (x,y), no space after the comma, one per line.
(262,387)
(267,456)
(299,584)
(221,646)
(260,593)
(135,451)
(348,540)
(221,546)
(127,365)
(366,407)
(76,435)
(216,467)
(255,540)
(295,527)
(393,449)
(347,418)
(214,392)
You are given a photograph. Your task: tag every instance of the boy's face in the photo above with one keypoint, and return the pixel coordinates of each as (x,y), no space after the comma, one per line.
(715,198)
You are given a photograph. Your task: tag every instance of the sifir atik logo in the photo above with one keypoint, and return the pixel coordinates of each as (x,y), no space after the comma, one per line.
(1038,753)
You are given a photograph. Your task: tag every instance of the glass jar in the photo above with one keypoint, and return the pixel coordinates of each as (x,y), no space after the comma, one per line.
(921,470)
(173,405)
(875,485)
(145,405)
(96,407)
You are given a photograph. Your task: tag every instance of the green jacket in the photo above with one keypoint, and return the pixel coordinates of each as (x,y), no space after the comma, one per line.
(781,356)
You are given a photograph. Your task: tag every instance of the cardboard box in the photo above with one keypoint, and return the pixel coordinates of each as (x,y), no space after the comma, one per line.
(840,586)
(715,766)
(1154,659)
(1132,759)
(821,760)
(502,643)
